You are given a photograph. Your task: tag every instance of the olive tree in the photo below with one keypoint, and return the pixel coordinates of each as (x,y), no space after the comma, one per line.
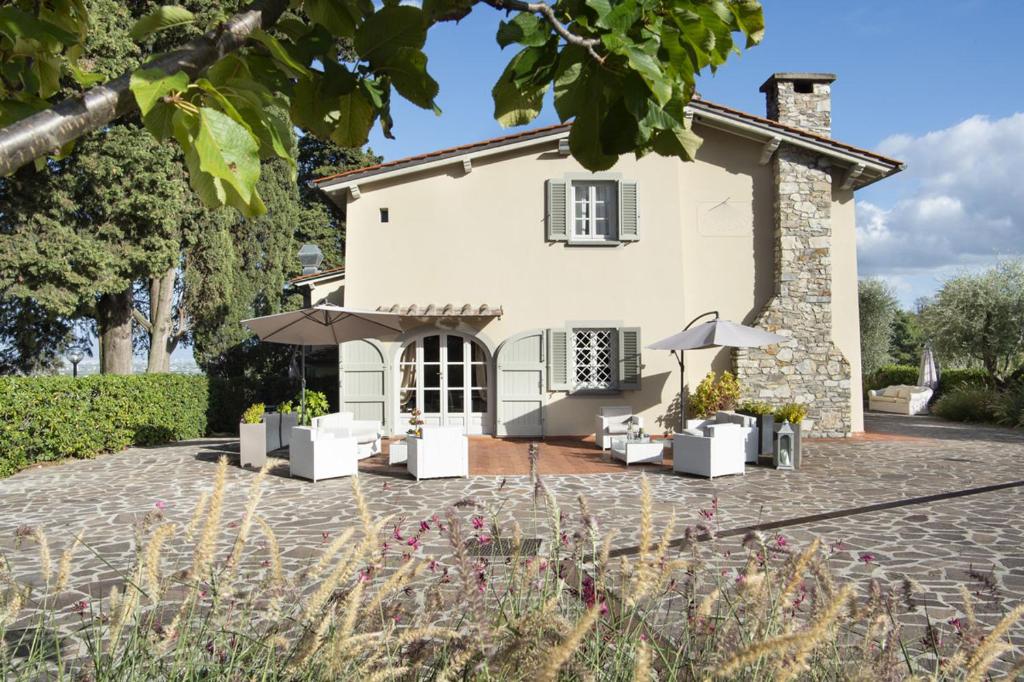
(878,308)
(978,320)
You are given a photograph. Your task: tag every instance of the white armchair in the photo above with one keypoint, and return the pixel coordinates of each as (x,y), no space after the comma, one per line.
(613,421)
(317,454)
(900,399)
(748,428)
(712,450)
(441,452)
(367,432)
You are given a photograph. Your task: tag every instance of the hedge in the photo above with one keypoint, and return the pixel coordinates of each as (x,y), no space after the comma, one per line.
(952,379)
(49,418)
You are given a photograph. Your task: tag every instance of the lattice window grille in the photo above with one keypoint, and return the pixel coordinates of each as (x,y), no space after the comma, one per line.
(593,359)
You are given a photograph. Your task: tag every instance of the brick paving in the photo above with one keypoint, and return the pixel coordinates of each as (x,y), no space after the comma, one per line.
(976,539)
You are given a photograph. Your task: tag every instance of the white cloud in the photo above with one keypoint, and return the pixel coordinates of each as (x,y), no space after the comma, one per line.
(964,204)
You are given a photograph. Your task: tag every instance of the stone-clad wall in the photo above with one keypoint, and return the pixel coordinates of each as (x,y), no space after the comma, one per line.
(810,111)
(808,368)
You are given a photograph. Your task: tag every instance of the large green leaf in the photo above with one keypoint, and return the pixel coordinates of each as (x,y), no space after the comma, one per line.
(281,56)
(150,87)
(334,15)
(354,119)
(16,25)
(389,29)
(526,29)
(407,68)
(681,142)
(161,19)
(516,105)
(585,141)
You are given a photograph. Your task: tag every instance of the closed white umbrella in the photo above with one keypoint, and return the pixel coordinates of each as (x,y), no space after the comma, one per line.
(716,333)
(928,374)
(325,325)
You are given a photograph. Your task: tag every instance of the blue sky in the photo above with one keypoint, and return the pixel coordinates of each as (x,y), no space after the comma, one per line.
(913,76)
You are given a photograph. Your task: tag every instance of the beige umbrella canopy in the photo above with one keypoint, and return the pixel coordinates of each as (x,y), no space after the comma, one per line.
(325,325)
(715,333)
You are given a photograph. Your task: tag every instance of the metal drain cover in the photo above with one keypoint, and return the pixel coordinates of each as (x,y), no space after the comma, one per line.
(504,547)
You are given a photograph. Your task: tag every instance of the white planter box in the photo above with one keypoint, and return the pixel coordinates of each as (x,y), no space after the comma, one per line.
(289,420)
(398,452)
(272,420)
(253,444)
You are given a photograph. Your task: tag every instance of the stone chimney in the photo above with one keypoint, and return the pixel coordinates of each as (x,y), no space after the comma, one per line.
(807,368)
(801,100)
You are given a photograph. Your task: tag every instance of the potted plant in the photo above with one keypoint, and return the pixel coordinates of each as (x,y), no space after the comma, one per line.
(316,406)
(795,414)
(713,394)
(415,431)
(764,414)
(289,420)
(252,436)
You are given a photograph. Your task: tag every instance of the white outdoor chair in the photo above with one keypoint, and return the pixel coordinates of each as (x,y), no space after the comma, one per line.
(900,399)
(748,427)
(712,450)
(344,424)
(613,421)
(316,454)
(441,452)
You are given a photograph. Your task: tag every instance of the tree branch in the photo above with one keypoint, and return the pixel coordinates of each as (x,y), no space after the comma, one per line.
(546,11)
(142,320)
(47,131)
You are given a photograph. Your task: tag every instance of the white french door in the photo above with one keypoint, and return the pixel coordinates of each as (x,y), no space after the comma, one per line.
(446,377)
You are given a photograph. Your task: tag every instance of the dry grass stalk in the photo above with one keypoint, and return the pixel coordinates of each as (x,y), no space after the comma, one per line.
(255,493)
(797,569)
(642,668)
(274,550)
(64,567)
(198,514)
(406,572)
(151,559)
(992,646)
(564,651)
(203,555)
(329,553)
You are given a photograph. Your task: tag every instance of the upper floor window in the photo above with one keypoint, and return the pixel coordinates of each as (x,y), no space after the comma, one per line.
(591,210)
(595,210)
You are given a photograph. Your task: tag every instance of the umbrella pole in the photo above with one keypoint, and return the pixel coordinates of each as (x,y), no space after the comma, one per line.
(302,399)
(682,392)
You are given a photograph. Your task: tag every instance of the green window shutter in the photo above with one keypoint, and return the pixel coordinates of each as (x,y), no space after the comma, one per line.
(557,216)
(558,360)
(628,212)
(629,358)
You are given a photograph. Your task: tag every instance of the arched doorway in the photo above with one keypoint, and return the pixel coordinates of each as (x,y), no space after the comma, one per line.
(448,377)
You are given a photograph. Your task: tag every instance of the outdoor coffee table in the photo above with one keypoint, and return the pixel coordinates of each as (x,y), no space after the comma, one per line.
(638,451)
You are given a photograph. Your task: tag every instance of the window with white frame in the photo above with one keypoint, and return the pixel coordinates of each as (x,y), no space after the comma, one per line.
(593,353)
(595,210)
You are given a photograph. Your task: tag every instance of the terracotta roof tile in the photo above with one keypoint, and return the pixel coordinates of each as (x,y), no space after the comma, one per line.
(317,275)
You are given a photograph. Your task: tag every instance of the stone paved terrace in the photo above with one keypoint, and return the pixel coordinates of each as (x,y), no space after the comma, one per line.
(940,502)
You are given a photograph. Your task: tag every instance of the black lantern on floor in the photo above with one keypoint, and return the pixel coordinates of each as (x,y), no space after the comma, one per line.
(784,447)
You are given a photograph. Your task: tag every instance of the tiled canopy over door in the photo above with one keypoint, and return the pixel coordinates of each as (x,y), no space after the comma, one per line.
(520,386)
(361,379)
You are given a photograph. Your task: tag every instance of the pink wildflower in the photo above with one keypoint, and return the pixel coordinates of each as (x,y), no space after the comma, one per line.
(484,539)
(160,504)
(424,526)
(81,607)
(414,542)
(867,557)
(397,534)
(478,522)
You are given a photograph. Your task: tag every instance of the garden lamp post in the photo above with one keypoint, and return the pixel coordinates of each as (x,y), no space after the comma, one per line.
(75,355)
(310,257)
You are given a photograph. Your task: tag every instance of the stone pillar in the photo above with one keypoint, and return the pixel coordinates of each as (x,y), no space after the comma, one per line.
(807,368)
(801,100)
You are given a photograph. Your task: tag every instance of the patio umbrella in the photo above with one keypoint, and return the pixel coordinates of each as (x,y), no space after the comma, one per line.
(716,333)
(928,374)
(325,325)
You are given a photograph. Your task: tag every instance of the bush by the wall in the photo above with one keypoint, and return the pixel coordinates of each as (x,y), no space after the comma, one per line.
(967,404)
(229,398)
(50,418)
(952,379)
(1008,405)
(890,375)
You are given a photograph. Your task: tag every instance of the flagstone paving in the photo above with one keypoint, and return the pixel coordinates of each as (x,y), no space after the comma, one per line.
(957,535)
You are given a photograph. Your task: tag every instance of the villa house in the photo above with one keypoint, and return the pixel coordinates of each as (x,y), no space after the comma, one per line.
(538,283)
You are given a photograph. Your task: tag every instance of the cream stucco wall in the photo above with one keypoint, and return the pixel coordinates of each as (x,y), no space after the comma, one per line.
(706,242)
(845,301)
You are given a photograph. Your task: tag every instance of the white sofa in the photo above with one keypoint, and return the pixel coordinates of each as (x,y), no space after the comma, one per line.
(711,450)
(613,421)
(367,432)
(900,399)
(441,452)
(316,454)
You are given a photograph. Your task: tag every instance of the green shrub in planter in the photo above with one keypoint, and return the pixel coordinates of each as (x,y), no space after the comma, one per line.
(316,406)
(254,413)
(966,404)
(794,413)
